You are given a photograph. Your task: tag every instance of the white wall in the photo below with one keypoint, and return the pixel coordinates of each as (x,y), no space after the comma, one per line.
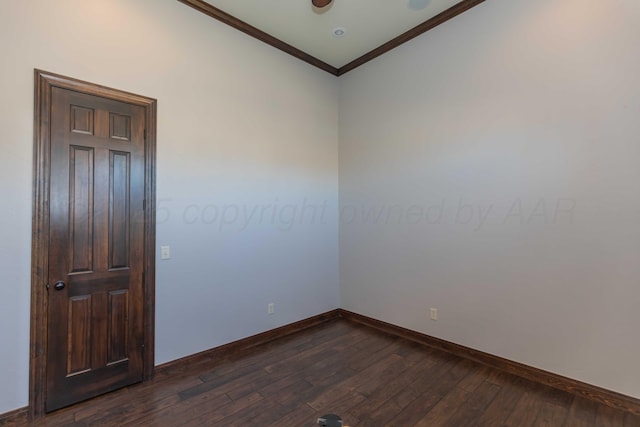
(240,125)
(513,108)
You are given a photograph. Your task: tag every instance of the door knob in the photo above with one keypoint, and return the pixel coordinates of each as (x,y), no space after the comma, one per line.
(59,286)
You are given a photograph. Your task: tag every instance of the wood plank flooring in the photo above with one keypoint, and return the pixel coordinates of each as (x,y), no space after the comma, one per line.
(368,378)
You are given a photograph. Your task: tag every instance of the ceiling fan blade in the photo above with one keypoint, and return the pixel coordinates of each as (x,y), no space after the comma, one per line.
(321,3)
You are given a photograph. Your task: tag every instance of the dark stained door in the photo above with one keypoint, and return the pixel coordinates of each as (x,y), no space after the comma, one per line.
(96,247)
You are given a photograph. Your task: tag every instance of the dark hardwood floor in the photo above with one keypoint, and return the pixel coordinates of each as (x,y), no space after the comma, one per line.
(365,376)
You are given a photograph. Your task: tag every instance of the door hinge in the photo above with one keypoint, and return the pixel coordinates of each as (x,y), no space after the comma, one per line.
(144,204)
(145,134)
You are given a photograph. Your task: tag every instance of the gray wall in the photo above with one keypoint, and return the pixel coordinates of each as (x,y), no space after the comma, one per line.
(490,169)
(242,128)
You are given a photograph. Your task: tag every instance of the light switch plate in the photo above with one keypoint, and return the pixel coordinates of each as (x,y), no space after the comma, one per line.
(165,252)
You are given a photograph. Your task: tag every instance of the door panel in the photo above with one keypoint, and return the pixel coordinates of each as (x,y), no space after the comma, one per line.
(81,165)
(119,215)
(79,338)
(118,313)
(96,247)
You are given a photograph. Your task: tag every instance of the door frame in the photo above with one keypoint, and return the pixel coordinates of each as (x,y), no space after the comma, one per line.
(44,82)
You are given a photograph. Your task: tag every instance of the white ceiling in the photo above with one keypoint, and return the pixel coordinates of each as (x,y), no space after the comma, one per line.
(368,23)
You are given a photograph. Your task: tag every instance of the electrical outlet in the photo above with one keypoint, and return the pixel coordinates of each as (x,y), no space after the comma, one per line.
(271,308)
(434,313)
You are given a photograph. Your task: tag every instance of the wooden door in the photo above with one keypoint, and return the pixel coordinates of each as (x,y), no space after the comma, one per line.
(95,307)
